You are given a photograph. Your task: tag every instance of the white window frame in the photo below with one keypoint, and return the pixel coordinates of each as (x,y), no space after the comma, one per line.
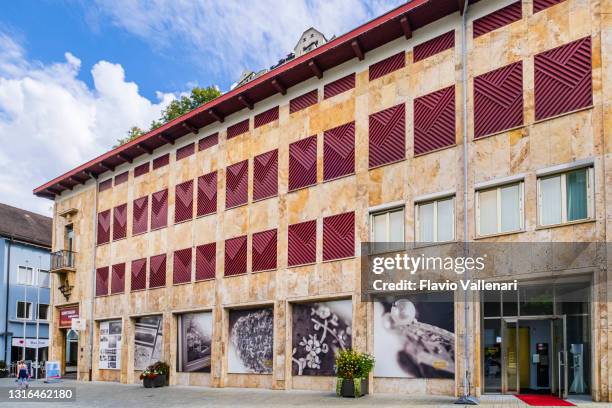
(30,310)
(590,196)
(417,220)
(387,212)
(38,312)
(38,283)
(498,188)
(19,282)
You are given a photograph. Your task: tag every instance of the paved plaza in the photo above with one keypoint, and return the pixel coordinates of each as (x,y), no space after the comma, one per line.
(112,395)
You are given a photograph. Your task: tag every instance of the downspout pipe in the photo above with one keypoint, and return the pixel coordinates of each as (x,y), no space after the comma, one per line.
(8,284)
(93,279)
(466,398)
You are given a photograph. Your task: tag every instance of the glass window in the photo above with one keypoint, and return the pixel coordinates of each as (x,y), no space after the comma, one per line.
(435,220)
(499,209)
(24,275)
(387,227)
(43,312)
(24,310)
(565,197)
(43,279)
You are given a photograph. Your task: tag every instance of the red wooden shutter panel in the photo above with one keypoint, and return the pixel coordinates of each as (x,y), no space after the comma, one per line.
(339,151)
(105,185)
(157,271)
(303,101)
(339,86)
(303,163)
(563,79)
(139,274)
(434,46)
(102,281)
(207,194)
(264,250)
(498,18)
(161,161)
(266,117)
(206,265)
(237,129)
(121,178)
(237,184)
(185,151)
(120,222)
(118,279)
(498,100)
(388,65)
(387,139)
(236,256)
(140,212)
(539,5)
(104,227)
(434,121)
(182,266)
(302,243)
(183,203)
(159,209)
(142,169)
(339,236)
(265,175)
(208,141)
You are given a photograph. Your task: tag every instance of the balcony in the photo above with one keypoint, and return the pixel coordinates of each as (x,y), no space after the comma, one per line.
(63,261)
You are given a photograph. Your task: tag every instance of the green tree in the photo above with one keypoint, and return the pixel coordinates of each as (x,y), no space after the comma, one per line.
(132,134)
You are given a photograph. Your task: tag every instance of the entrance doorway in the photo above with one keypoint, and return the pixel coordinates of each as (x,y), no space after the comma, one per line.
(72,354)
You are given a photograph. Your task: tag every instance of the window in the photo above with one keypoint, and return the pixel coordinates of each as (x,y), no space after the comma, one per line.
(43,278)
(435,220)
(387,226)
(499,209)
(24,310)
(25,275)
(565,197)
(43,312)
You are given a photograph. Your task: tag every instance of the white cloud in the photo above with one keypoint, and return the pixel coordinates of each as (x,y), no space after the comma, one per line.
(51,121)
(229,36)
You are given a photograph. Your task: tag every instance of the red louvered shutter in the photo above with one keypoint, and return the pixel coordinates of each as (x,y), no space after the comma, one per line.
(157,271)
(102,281)
(387,139)
(142,169)
(161,161)
(236,256)
(339,236)
(182,266)
(237,129)
(183,203)
(264,250)
(266,117)
(498,100)
(208,141)
(388,65)
(206,261)
(302,243)
(159,209)
(434,121)
(303,101)
(121,178)
(140,213)
(104,227)
(434,46)
(265,175)
(139,274)
(118,279)
(120,222)
(105,185)
(498,19)
(539,5)
(185,151)
(237,181)
(563,79)
(207,194)
(303,163)
(339,86)
(339,151)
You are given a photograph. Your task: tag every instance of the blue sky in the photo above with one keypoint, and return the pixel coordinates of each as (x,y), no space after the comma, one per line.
(75,75)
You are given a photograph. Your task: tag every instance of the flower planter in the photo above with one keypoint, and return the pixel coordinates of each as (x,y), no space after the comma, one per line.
(4,373)
(155,382)
(352,388)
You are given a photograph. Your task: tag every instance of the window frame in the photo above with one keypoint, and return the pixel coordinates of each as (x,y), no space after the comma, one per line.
(387,212)
(30,310)
(498,188)
(417,219)
(38,280)
(19,281)
(46,319)
(590,195)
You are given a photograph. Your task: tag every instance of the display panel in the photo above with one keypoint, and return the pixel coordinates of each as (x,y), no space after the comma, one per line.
(110,345)
(148,341)
(251,334)
(194,342)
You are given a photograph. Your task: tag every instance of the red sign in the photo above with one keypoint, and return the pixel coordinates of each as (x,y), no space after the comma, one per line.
(67,314)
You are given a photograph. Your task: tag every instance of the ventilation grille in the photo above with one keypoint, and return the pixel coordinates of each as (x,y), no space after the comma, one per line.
(264,250)
(185,151)
(157,271)
(183,203)
(121,178)
(237,183)
(182,266)
(161,161)
(105,185)
(339,151)
(236,256)
(339,86)
(303,163)
(142,169)
(140,211)
(339,236)
(302,243)
(159,209)
(539,5)
(434,46)
(207,194)
(120,222)
(208,141)
(118,279)
(388,65)
(387,142)
(497,19)
(434,121)
(237,129)
(104,226)
(206,256)
(139,274)
(102,281)
(266,117)
(303,101)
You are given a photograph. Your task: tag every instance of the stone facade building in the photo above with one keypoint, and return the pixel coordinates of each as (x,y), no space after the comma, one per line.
(227,241)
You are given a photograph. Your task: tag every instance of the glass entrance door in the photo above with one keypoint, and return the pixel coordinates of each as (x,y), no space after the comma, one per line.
(559,342)
(510,362)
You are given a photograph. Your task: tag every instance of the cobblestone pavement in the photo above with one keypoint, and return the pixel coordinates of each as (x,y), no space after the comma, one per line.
(102,394)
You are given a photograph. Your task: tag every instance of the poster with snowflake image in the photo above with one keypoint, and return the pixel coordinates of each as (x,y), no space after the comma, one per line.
(251,335)
(320,331)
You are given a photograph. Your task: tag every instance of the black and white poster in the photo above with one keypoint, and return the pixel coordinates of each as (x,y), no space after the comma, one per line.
(148,341)
(110,345)
(194,342)
(251,334)
(320,330)
(414,336)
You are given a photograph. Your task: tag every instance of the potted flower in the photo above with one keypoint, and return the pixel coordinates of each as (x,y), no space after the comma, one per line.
(4,371)
(155,375)
(353,370)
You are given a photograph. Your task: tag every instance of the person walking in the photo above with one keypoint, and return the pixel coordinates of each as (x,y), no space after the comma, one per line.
(23,375)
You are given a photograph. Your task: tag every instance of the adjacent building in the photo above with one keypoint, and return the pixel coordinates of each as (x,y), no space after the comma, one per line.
(227,242)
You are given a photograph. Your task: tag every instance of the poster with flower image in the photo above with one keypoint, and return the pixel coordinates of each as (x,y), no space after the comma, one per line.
(320,330)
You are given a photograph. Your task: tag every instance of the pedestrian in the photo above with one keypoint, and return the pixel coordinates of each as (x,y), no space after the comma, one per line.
(23,375)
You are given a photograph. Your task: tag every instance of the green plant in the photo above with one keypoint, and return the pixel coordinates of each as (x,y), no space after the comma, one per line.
(352,364)
(152,371)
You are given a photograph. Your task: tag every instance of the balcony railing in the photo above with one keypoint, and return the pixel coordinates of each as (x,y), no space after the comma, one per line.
(62,261)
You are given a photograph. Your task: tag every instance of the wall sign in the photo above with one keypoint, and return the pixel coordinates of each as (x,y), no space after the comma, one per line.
(66,315)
